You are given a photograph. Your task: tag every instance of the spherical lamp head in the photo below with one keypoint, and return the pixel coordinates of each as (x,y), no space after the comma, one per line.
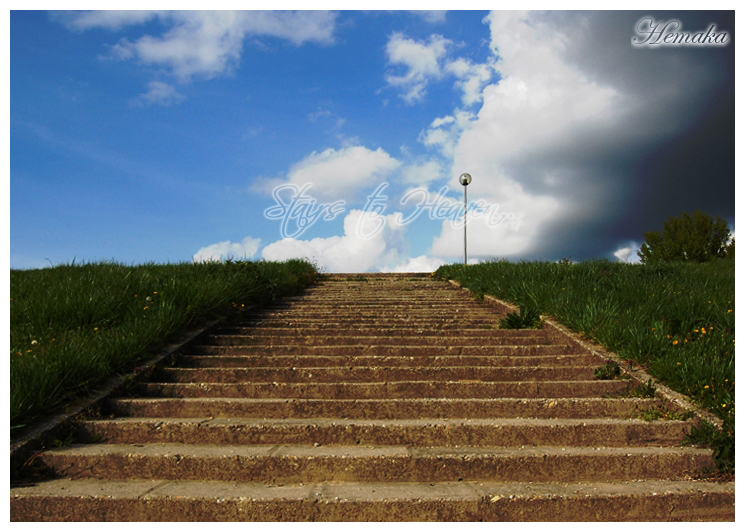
(465,179)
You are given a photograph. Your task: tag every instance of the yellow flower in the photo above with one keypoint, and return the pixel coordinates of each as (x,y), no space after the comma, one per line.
(724,405)
(675,342)
(706,387)
(730,310)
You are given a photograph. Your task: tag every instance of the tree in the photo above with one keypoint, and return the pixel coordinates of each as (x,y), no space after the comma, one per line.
(695,238)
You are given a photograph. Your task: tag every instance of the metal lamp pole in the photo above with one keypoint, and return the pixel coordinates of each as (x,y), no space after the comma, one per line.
(465,180)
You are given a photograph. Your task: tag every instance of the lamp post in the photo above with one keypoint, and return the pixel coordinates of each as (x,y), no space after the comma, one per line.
(465,180)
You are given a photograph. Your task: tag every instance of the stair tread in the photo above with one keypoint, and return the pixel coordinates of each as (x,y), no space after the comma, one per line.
(148,489)
(354,451)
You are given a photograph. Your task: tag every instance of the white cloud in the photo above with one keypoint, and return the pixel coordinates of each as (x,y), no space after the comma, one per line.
(628,253)
(421,60)
(246,249)
(416,264)
(205,44)
(339,174)
(542,102)
(541,108)
(444,132)
(472,78)
(426,61)
(422,173)
(110,19)
(370,242)
(433,16)
(508,233)
(159,93)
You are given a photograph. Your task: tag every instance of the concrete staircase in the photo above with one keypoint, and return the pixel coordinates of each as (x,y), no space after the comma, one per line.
(378,397)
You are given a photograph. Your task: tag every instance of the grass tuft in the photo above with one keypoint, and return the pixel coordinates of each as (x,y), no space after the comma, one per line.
(528,318)
(610,371)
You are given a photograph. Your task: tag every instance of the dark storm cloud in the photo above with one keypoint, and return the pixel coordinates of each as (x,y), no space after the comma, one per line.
(672,151)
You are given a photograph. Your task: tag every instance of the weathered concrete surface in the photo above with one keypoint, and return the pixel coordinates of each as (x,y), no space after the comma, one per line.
(159,500)
(379,398)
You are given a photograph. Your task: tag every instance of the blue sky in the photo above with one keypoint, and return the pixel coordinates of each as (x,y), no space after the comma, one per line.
(168,136)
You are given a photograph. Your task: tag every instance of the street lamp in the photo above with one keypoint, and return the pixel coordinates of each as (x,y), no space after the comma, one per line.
(465,180)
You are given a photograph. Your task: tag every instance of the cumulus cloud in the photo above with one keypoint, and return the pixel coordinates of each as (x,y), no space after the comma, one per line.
(370,242)
(507,232)
(159,93)
(422,173)
(472,78)
(426,61)
(340,174)
(422,263)
(422,61)
(443,133)
(541,105)
(245,249)
(204,44)
(628,253)
(587,139)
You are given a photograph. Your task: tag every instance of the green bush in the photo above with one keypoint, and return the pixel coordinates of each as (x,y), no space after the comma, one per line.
(696,238)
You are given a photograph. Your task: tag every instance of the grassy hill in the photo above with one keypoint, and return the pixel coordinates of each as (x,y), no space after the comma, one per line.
(675,319)
(73,326)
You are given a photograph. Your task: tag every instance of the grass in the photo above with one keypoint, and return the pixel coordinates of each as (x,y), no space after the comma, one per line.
(526,319)
(74,326)
(610,371)
(675,319)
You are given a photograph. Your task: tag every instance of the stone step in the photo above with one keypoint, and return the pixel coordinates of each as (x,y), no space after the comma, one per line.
(380,323)
(482,340)
(388,390)
(374,374)
(291,361)
(373,463)
(382,290)
(441,307)
(421,298)
(488,432)
(356,299)
(374,332)
(185,405)
(178,500)
(383,350)
(370,315)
